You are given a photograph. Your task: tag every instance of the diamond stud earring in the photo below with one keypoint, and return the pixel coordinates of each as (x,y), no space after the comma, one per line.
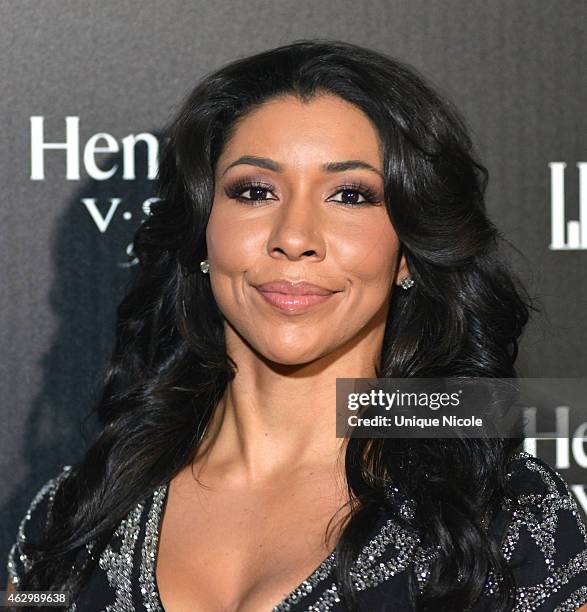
(407,282)
(204,266)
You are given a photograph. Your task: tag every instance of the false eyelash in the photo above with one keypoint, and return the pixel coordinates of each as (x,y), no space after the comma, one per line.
(235,189)
(367,192)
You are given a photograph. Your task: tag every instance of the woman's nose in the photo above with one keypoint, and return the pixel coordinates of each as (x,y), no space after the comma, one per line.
(297,228)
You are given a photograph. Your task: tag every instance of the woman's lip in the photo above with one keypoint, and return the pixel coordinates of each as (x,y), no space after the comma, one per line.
(293,288)
(288,302)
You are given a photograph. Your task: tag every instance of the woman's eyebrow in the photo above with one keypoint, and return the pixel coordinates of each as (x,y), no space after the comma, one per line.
(270,164)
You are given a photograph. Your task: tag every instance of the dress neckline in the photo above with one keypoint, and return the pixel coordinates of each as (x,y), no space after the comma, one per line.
(153,532)
(371,567)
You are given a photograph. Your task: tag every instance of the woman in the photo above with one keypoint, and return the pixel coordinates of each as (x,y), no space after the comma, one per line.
(322,216)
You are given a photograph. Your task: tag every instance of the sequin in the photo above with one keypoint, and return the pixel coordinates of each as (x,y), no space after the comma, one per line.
(149,591)
(307,586)
(368,571)
(529,599)
(394,549)
(18,561)
(118,564)
(539,515)
(326,601)
(406,551)
(574,601)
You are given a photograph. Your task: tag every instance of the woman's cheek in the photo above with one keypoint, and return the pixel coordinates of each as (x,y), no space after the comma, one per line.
(369,254)
(233,243)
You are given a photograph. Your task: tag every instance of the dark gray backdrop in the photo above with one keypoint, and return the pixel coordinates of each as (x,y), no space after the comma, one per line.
(514,68)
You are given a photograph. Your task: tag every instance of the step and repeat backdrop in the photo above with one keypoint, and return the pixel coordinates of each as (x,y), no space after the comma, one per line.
(86,89)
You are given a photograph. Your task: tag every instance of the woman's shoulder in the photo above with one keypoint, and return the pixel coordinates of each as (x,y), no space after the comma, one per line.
(541,496)
(33,524)
(543,537)
(529,475)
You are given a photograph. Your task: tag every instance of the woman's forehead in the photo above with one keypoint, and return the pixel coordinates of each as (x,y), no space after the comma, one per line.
(324,129)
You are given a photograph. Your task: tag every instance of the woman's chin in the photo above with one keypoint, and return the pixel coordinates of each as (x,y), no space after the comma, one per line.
(292,357)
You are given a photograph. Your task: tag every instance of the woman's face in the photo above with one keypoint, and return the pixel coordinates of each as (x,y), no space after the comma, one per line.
(289,205)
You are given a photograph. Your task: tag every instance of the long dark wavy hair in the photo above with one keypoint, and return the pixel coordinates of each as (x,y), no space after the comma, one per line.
(169,366)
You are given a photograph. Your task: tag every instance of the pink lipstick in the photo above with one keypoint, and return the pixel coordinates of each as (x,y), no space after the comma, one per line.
(294,297)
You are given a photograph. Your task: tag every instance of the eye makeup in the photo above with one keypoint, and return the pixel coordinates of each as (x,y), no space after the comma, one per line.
(351,190)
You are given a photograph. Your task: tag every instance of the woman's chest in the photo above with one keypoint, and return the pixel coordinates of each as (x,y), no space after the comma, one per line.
(127,571)
(242,551)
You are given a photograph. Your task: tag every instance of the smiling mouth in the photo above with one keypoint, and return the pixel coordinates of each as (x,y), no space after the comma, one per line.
(294,303)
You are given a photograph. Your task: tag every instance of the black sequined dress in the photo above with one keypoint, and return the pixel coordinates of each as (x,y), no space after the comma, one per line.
(540,531)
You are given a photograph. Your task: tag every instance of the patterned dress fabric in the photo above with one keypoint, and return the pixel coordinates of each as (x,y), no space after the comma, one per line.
(540,530)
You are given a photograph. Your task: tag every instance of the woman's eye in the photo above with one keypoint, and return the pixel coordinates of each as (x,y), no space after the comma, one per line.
(249,193)
(352,197)
(347,196)
(255,193)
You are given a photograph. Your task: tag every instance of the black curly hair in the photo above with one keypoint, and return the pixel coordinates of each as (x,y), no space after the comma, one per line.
(463,317)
